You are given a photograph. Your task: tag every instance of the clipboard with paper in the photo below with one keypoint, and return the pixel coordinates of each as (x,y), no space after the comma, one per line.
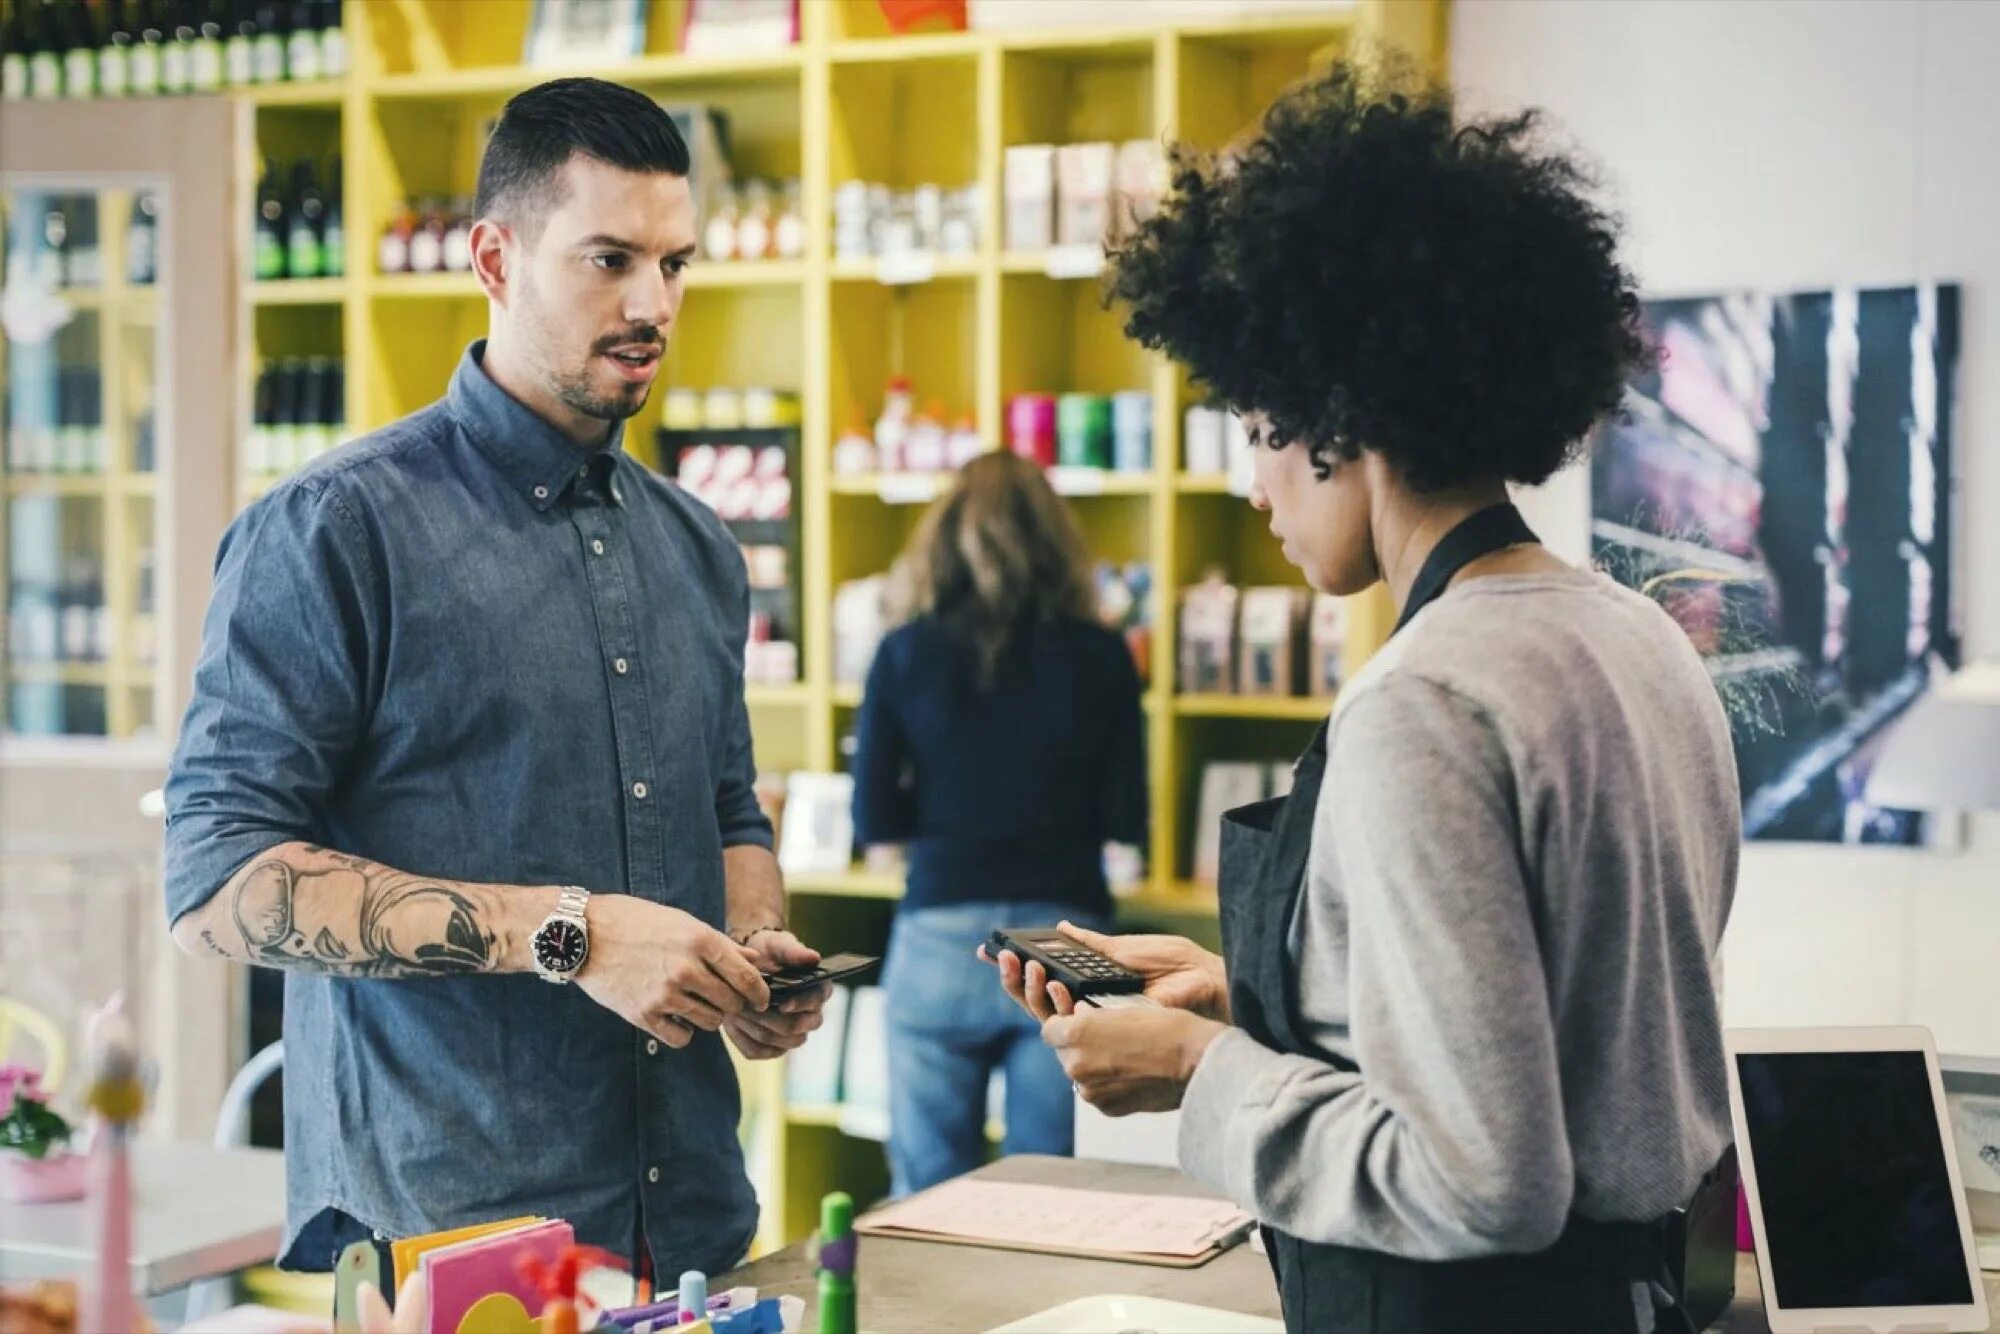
(1176,1231)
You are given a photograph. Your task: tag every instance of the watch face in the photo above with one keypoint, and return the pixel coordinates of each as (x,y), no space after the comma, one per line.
(560,946)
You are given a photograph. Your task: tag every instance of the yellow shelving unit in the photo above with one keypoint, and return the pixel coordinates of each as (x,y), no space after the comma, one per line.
(850,102)
(105,515)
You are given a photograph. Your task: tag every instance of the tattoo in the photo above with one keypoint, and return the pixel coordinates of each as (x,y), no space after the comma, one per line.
(208,939)
(352,917)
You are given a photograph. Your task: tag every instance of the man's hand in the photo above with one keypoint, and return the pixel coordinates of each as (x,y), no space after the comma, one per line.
(1180,974)
(784,1027)
(667,972)
(1130,1060)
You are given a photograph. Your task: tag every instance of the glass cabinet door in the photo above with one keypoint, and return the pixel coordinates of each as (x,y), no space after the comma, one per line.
(79,335)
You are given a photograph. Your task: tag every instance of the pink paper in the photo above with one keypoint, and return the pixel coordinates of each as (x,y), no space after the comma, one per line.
(1080,1220)
(459,1276)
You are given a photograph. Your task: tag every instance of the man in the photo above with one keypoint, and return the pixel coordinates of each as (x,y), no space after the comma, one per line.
(469,708)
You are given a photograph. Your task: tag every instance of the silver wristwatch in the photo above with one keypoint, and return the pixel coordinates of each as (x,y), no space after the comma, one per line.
(561,944)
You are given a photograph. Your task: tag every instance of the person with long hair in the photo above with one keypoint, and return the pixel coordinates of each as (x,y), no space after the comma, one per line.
(1462,1053)
(1001,739)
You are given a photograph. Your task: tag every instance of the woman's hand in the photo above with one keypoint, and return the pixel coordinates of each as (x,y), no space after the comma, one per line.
(1180,974)
(1131,1060)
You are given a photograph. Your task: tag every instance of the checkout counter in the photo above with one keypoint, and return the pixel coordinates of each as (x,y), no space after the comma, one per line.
(917,1287)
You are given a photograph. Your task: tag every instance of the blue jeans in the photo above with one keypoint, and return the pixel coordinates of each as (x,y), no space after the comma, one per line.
(950,1028)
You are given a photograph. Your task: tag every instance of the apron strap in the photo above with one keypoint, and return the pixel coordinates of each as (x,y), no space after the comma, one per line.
(1492,529)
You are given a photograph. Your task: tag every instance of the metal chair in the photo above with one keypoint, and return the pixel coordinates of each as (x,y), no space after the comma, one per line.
(232,1129)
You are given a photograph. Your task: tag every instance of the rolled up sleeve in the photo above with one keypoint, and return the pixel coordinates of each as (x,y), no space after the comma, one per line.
(281,690)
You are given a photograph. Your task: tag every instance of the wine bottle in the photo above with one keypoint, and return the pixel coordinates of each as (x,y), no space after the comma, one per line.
(269,251)
(141,240)
(45,55)
(303,236)
(80,59)
(314,438)
(285,418)
(239,54)
(270,44)
(177,50)
(302,45)
(332,41)
(336,404)
(114,52)
(147,50)
(205,57)
(82,265)
(333,233)
(14,53)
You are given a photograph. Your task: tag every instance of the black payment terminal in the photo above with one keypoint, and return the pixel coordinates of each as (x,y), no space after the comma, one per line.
(1082,969)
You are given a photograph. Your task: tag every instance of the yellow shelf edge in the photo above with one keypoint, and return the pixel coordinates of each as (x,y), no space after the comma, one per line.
(313,93)
(746,273)
(299,292)
(943,268)
(477,80)
(899,50)
(1203,483)
(1302,708)
(846,696)
(855,884)
(791,696)
(423,286)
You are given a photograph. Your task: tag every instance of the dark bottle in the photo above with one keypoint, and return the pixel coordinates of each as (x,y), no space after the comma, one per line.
(80,57)
(285,417)
(148,50)
(46,48)
(114,52)
(178,54)
(205,58)
(52,263)
(332,41)
(257,450)
(14,53)
(269,245)
(302,43)
(314,437)
(336,404)
(333,234)
(239,55)
(303,236)
(142,241)
(270,64)
(82,265)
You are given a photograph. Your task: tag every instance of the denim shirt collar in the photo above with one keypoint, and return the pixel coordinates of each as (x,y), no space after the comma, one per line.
(539,460)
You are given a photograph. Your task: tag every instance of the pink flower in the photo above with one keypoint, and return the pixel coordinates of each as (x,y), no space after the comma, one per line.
(20,1081)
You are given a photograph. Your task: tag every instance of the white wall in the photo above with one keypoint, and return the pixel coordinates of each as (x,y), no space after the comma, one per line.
(1795,144)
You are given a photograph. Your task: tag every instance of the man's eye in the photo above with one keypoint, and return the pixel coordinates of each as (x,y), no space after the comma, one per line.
(677,264)
(612,261)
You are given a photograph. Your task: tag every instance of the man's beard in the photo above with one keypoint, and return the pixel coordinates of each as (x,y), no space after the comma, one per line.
(575,388)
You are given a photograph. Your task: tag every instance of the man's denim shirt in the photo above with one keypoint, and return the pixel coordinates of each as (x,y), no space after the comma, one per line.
(465,647)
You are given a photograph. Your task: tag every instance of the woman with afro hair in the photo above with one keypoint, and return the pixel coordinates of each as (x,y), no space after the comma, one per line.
(1462,1053)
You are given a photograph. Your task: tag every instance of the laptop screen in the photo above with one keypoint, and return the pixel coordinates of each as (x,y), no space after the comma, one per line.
(1856,1199)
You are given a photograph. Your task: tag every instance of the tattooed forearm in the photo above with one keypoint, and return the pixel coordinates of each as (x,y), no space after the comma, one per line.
(308,908)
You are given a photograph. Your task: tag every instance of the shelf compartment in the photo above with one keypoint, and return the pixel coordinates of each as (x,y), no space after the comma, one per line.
(1304,708)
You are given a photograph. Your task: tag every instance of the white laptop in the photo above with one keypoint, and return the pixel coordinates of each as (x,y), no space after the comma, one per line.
(1854,1189)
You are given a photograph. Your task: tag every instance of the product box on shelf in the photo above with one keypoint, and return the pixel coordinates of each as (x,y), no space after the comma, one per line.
(1084,175)
(1208,637)
(1327,641)
(1271,642)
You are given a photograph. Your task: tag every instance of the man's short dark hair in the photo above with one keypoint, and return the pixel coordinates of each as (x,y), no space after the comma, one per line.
(520,177)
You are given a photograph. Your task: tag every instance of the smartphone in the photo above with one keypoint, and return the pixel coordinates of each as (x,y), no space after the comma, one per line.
(789,982)
(1077,966)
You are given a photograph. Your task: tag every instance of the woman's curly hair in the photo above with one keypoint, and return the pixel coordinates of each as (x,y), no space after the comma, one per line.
(1372,273)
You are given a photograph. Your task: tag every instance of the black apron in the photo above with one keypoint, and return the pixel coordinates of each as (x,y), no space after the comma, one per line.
(1585,1282)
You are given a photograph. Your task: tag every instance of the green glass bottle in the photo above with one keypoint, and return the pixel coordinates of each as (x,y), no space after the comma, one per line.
(146,50)
(80,59)
(270,63)
(114,52)
(239,51)
(268,255)
(333,234)
(178,51)
(205,57)
(302,234)
(45,55)
(14,40)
